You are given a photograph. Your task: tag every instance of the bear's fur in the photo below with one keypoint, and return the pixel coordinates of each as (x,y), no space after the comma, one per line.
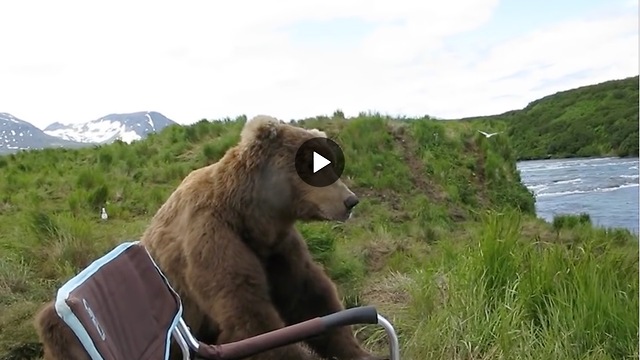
(226,241)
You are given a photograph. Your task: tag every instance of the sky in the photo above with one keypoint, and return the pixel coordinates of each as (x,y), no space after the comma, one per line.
(73,61)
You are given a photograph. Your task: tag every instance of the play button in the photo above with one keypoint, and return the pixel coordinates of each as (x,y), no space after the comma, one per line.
(319,162)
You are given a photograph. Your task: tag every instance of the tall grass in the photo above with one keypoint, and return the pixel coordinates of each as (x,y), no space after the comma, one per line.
(504,297)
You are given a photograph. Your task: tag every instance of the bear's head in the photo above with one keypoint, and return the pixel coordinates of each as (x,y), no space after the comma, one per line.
(268,150)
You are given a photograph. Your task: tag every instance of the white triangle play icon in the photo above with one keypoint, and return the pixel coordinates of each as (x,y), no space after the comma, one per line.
(319,162)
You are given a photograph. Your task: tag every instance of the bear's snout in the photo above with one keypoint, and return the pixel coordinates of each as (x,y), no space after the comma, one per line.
(351,202)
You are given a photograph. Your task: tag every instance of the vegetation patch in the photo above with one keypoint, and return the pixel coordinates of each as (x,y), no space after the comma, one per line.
(594,120)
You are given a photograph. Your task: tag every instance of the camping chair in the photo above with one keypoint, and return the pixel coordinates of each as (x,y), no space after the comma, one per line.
(122,307)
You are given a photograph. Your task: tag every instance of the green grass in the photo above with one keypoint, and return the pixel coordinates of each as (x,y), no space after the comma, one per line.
(501,296)
(444,242)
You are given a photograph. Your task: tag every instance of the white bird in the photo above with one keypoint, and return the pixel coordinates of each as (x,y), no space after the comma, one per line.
(488,135)
(103,214)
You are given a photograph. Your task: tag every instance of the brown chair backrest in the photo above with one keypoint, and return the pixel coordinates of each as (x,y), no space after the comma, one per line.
(121,306)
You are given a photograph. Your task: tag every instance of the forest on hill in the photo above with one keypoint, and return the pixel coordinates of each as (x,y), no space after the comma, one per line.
(594,120)
(445,242)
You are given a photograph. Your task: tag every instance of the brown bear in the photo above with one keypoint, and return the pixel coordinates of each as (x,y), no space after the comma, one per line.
(226,241)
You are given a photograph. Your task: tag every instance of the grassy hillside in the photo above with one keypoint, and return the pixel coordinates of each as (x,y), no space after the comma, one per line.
(444,242)
(595,120)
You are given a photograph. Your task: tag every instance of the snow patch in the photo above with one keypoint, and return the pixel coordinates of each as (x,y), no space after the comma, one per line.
(9,117)
(124,127)
(96,132)
(129,136)
(150,121)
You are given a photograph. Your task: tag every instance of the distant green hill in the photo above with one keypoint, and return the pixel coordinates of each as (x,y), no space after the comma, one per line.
(594,120)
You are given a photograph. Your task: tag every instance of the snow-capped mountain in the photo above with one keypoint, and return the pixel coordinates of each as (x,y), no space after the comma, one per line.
(16,134)
(124,127)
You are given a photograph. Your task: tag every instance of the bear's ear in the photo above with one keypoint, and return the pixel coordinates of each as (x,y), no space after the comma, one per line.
(261,127)
(317,133)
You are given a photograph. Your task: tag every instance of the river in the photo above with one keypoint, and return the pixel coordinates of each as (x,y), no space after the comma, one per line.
(605,188)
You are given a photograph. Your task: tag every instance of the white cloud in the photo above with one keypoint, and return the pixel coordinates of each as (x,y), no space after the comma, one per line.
(599,49)
(74,61)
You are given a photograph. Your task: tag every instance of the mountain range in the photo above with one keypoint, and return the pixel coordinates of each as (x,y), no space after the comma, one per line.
(17,134)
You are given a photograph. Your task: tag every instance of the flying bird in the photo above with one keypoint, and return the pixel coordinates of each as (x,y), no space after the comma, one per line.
(488,135)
